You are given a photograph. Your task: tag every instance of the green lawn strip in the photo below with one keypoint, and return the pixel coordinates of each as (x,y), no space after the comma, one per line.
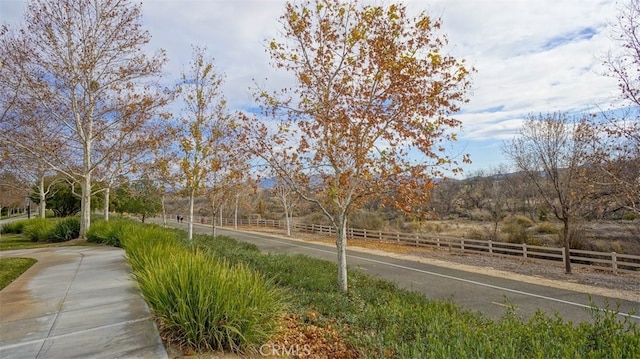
(12,268)
(19,241)
(382,320)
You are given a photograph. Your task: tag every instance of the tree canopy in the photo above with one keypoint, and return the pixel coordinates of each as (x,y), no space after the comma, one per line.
(370,110)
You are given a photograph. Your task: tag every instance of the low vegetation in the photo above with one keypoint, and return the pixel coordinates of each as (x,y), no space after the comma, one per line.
(45,230)
(12,268)
(201,302)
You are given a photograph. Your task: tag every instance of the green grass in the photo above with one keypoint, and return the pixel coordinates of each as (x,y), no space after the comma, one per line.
(12,268)
(19,241)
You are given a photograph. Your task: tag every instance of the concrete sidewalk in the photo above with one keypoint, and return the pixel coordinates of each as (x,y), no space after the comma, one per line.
(76,302)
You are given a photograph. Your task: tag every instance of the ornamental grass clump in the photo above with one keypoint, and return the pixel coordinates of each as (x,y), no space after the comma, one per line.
(111,232)
(200,301)
(38,229)
(65,230)
(16,227)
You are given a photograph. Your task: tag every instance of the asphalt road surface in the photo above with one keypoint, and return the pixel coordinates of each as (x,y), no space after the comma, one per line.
(478,292)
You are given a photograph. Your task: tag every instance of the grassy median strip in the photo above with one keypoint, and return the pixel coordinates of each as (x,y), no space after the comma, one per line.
(12,268)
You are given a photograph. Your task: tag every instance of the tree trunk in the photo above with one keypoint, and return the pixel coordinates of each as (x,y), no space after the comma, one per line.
(107,195)
(192,198)
(42,206)
(341,246)
(85,211)
(213,218)
(235,215)
(286,217)
(164,210)
(567,246)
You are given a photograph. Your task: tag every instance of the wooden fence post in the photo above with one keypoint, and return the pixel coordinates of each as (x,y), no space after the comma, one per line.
(524,250)
(614,264)
(490,247)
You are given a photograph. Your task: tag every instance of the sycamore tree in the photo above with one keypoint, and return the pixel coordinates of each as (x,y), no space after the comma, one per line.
(226,180)
(554,152)
(84,63)
(28,143)
(369,112)
(619,153)
(288,198)
(205,128)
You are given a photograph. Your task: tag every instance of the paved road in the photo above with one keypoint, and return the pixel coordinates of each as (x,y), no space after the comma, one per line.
(475,291)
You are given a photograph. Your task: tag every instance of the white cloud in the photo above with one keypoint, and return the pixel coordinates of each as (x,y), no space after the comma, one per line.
(531,56)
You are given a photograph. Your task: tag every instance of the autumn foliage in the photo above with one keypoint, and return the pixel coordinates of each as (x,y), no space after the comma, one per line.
(371,108)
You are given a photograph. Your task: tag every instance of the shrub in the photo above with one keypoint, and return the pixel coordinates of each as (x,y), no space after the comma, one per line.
(481,234)
(578,238)
(16,227)
(39,229)
(543,214)
(430,227)
(366,220)
(65,230)
(546,228)
(515,227)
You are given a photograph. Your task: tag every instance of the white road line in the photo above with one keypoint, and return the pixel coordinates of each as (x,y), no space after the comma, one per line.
(465,280)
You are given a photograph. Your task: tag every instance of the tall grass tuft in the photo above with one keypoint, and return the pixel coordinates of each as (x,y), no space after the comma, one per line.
(65,230)
(110,232)
(39,229)
(210,305)
(202,302)
(16,227)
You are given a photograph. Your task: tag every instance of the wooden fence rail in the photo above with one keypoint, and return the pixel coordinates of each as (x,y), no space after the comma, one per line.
(610,261)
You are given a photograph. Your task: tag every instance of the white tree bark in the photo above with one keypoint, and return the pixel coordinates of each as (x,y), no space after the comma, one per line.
(341,246)
(107,196)
(192,198)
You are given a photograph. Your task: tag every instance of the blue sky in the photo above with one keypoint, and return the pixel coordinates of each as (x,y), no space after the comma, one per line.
(532,56)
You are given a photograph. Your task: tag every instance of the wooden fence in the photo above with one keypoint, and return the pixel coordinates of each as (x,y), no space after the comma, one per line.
(610,261)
